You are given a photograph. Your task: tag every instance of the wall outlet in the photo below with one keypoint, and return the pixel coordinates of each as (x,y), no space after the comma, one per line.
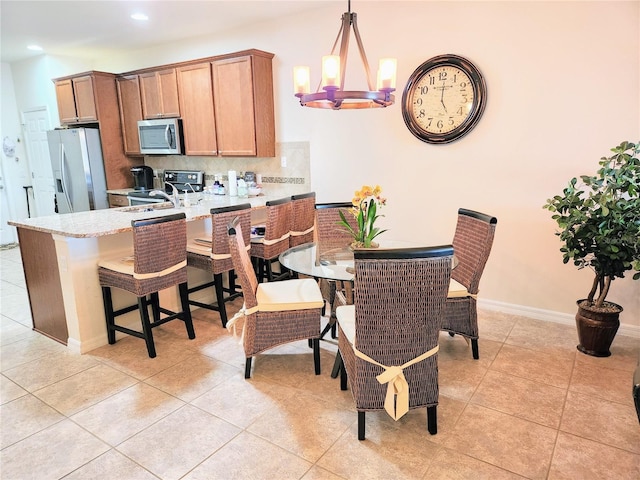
(283,161)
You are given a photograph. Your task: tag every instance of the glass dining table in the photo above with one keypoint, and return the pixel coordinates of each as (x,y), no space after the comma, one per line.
(328,261)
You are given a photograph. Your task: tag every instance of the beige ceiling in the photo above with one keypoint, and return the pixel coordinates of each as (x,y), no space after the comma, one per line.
(89,28)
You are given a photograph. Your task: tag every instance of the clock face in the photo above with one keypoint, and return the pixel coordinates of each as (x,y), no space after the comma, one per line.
(444,99)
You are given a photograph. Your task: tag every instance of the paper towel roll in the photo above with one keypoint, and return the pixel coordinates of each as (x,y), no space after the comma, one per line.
(233,183)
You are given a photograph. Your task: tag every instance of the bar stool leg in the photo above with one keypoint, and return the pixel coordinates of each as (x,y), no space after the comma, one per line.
(108,311)
(146,326)
(155,306)
(222,309)
(186,311)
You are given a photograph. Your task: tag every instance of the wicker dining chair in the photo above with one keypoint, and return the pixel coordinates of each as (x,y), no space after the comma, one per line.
(472,243)
(158,262)
(330,235)
(266,250)
(274,313)
(302,218)
(390,334)
(212,255)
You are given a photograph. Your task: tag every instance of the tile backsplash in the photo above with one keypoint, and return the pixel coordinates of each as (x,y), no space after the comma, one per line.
(276,178)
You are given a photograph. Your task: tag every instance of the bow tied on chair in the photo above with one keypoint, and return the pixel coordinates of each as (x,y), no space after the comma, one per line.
(396,402)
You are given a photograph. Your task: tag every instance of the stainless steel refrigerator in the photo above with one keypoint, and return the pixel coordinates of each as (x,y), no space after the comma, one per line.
(78,169)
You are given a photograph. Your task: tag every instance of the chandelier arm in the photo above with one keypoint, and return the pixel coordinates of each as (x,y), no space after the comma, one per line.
(363,55)
(344,45)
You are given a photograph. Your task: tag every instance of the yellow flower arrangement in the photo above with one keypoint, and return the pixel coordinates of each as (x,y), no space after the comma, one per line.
(365,206)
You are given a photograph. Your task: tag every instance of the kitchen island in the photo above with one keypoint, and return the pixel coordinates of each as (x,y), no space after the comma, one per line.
(60,255)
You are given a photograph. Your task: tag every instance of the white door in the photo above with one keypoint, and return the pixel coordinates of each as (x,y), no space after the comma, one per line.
(7,234)
(36,124)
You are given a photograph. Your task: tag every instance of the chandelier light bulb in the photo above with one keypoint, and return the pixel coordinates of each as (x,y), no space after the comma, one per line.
(387,74)
(301,80)
(331,71)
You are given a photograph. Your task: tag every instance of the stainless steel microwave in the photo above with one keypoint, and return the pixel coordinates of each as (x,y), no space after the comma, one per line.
(160,137)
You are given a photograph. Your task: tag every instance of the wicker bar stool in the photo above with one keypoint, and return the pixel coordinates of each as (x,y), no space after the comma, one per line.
(472,243)
(303,218)
(266,250)
(388,340)
(158,262)
(212,255)
(329,235)
(274,313)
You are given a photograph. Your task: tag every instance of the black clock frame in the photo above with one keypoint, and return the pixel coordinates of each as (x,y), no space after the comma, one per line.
(479,99)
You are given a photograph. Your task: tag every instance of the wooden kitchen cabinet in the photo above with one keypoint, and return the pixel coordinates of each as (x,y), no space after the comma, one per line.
(195,89)
(243,105)
(117,200)
(76,102)
(130,105)
(93,98)
(159,92)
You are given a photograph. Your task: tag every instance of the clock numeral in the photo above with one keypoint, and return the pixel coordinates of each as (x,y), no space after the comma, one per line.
(424,90)
(464,98)
(451,121)
(432,80)
(442,76)
(460,111)
(463,86)
(440,124)
(421,113)
(418,102)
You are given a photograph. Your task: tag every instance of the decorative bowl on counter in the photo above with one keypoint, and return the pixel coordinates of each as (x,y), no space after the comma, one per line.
(254,191)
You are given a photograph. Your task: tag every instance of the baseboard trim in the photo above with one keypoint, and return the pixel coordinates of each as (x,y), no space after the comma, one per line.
(547,315)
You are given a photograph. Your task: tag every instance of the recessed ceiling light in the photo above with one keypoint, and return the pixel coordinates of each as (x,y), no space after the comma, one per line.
(139,16)
(35,48)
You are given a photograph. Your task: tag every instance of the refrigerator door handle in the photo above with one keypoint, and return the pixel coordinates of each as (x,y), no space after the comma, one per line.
(63,178)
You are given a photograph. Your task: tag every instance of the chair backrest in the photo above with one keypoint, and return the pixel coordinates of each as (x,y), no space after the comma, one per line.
(472,244)
(277,227)
(159,243)
(399,298)
(242,262)
(329,234)
(220,218)
(303,218)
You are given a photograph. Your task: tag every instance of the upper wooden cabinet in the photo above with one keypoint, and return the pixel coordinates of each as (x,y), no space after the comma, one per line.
(196,104)
(76,102)
(92,97)
(243,103)
(130,112)
(225,103)
(159,91)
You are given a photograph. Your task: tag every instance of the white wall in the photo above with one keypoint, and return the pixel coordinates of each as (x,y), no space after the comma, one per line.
(563,88)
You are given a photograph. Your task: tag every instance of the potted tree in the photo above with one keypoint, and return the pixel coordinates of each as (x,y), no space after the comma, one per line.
(599,220)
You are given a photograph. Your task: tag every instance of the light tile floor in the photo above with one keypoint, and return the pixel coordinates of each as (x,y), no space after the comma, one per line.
(531,407)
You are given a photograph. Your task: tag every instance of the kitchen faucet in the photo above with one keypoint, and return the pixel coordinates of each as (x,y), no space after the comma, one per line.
(173,198)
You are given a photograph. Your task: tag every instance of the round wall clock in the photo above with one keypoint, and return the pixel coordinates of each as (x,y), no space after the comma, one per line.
(444,98)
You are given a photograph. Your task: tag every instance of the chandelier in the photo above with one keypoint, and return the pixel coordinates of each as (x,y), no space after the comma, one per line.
(333,94)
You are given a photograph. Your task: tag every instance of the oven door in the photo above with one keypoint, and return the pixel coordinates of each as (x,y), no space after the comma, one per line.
(143,198)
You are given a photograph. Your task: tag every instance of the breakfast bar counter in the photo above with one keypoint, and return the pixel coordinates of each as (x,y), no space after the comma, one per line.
(60,254)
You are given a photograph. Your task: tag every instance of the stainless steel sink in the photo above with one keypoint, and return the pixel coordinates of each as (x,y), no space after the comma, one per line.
(149,207)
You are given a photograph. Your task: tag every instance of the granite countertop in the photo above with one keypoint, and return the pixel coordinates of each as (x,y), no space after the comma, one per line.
(97,223)
(121,191)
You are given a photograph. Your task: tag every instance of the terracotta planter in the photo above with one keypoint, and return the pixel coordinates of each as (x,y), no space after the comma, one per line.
(597,329)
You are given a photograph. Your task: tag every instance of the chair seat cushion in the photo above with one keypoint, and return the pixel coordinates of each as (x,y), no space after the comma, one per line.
(200,246)
(300,294)
(120,264)
(457,290)
(346,315)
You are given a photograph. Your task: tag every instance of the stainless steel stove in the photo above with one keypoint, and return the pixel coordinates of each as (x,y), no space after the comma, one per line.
(183,180)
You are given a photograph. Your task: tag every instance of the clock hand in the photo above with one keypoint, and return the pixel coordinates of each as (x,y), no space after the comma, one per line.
(442,97)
